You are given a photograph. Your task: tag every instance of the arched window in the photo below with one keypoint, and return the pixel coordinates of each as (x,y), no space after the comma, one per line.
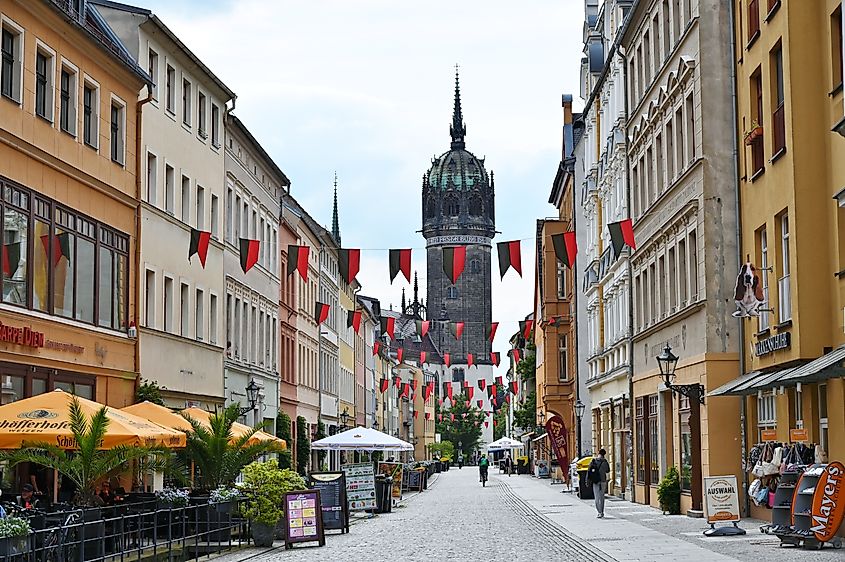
(453,207)
(429,207)
(475,206)
(452,293)
(475,266)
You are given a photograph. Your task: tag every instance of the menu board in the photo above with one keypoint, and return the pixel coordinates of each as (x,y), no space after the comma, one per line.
(333,506)
(303,521)
(416,479)
(360,486)
(394,470)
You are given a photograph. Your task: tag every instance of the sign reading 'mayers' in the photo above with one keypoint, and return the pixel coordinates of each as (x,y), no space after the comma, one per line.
(21,336)
(829,502)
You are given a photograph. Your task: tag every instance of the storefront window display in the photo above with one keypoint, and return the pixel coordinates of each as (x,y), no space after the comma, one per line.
(23,381)
(654,438)
(641,441)
(686,444)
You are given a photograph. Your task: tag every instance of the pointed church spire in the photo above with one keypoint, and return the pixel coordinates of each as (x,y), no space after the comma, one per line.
(416,291)
(335,222)
(404,308)
(458,130)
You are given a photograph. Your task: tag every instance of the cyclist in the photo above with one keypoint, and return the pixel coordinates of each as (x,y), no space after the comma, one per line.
(483,465)
(460,460)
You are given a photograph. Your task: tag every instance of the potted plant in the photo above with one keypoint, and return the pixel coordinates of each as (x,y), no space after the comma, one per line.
(264,488)
(755,131)
(172,498)
(14,532)
(223,497)
(669,492)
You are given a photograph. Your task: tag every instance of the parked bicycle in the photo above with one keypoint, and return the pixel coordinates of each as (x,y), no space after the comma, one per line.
(62,543)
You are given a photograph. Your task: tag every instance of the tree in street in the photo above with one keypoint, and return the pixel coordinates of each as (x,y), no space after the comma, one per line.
(465,429)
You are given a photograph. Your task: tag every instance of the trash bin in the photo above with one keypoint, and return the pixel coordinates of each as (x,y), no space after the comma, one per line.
(585,487)
(387,495)
(380,485)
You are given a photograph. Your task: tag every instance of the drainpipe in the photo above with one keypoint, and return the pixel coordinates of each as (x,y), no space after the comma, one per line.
(743,420)
(139,106)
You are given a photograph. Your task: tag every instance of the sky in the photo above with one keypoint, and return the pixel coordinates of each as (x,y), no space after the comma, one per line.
(364,89)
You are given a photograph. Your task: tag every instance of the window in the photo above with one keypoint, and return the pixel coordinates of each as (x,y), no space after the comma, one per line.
(169,188)
(91,114)
(755,135)
(215,125)
(117,131)
(201,115)
(453,207)
(152,68)
(692,244)
(655,33)
(641,439)
(647,55)
(658,160)
(199,314)
(150,299)
(186,199)
(686,444)
(690,128)
(784,295)
(778,118)
(44,84)
(11,70)
(186,102)
(667,44)
(152,173)
(753,20)
(200,208)
(67,102)
(168,304)
(458,375)
(679,140)
(670,153)
(836,47)
(766,412)
(563,358)
(212,318)
(452,293)
(673,282)
(649,178)
(215,212)
(113,279)
(654,439)
(185,301)
(763,241)
(561,281)
(169,86)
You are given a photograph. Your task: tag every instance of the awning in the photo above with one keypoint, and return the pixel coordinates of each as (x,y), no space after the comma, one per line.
(827,366)
(750,383)
(539,438)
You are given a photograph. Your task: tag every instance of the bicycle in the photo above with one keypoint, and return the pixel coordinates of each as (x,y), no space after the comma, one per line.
(57,547)
(484,478)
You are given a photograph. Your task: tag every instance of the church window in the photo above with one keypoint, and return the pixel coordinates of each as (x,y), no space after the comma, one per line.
(475,206)
(452,293)
(429,207)
(458,374)
(475,266)
(453,207)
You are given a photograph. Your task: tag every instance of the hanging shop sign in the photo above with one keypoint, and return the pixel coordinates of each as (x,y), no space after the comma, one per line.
(303,522)
(24,336)
(360,486)
(767,435)
(556,430)
(798,436)
(333,504)
(721,499)
(829,502)
(773,343)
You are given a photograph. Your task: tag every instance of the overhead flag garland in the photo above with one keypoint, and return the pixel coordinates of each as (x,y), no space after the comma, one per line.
(491,331)
(397,382)
(298,260)
(566,248)
(353,320)
(495,358)
(199,245)
(514,387)
(400,260)
(453,262)
(422,327)
(349,262)
(482,384)
(515,355)
(621,235)
(525,327)
(249,253)
(388,324)
(321,312)
(457,329)
(509,256)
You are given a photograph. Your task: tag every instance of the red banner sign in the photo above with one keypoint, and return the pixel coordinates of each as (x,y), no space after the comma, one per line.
(557,434)
(21,336)
(828,502)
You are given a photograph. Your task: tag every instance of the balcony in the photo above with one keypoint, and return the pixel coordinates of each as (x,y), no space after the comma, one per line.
(784,299)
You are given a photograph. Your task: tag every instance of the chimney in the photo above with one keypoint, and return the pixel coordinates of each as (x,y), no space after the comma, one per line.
(568,140)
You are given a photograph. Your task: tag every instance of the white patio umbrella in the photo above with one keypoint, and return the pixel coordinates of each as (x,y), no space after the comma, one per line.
(361,439)
(503,444)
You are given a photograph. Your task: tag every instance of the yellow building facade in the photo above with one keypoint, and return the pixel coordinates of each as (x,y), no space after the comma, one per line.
(791,122)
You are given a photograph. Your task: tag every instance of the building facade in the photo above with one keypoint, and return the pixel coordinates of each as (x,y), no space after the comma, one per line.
(181,329)
(68,169)
(254,186)
(684,222)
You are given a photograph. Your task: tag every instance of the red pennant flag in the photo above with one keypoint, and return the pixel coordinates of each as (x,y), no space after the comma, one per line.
(481,384)
(249,253)
(376,347)
(452,416)
(449,390)
(486,424)
(428,416)
(348,262)
(465,384)
(321,312)
(493,390)
(566,248)
(422,357)
(480,402)
(416,413)
(397,382)
(491,331)
(457,329)
(422,327)
(514,387)
(414,384)
(467,403)
(440,402)
(399,353)
(447,360)
(621,234)
(525,328)
(298,260)
(353,320)
(426,393)
(470,360)
(508,398)
(440,417)
(499,380)
(515,355)
(509,256)
(494,423)
(494,402)
(400,260)
(383,384)
(199,246)
(388,324)
(495,358)
(406,389)
(453,262)
(469,391)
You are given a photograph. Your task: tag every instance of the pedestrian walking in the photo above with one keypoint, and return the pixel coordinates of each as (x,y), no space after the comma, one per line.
(508,464)
(597,475)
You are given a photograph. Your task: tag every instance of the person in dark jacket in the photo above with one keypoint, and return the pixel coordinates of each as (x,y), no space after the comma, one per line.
(598,471)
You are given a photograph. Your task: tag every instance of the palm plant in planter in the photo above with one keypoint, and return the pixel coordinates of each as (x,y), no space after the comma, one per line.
(14,532)
(264,487)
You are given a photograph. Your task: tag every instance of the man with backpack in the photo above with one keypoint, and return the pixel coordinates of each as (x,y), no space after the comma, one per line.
(597,476)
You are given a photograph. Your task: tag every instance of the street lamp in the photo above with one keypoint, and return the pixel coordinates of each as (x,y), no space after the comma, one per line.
(375,425)
(344,417)
(579,414)
(251,396)
(667,362)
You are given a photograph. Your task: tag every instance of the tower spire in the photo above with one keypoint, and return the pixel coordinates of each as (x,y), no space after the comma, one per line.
(404,309)
(335,222)
(458,130)
(416,291)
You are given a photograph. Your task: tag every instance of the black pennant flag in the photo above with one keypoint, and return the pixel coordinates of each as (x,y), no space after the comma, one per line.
(566,248)
(298,260)
(353,320)
(457,329)
(387,325)
(422,327)
(525,328)
(199,245)
(509,256)
(453,262)
(621,235)
(495,358)
(249,253)
(383,384)
(321,312)
(348,261)
(400,260)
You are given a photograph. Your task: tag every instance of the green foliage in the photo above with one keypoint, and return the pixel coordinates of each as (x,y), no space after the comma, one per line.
(527,366)
(462,430)
(303,446)
(12,526)
(442,449)
(149,391)
(525,416)
(88,464)
(320,434)
(669,492)
(501,417)
(265,485)
(216,454)
(283,432)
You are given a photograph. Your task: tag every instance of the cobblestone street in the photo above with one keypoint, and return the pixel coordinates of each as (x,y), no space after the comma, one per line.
(524,519)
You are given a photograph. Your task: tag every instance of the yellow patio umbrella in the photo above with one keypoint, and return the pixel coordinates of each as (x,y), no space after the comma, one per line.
(238,429)
(159,414)
(46,418)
